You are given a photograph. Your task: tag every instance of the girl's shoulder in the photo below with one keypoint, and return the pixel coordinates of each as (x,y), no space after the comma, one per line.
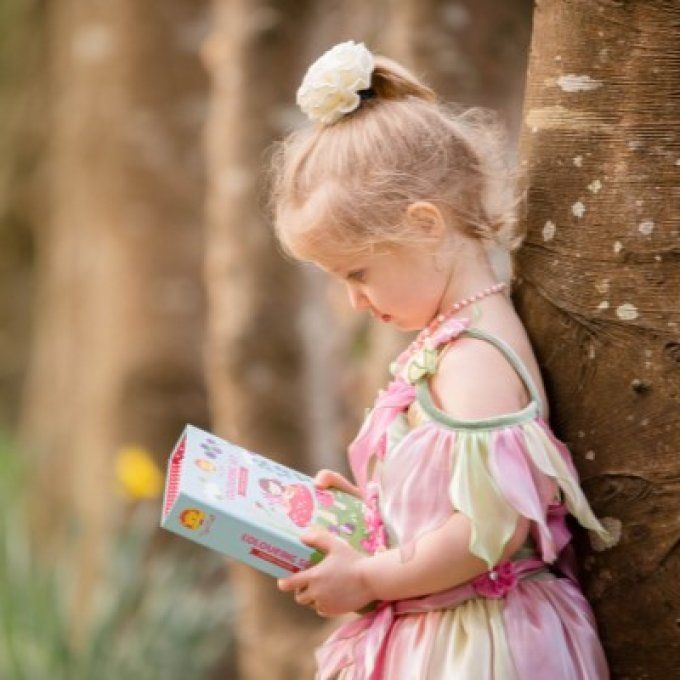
(475,380)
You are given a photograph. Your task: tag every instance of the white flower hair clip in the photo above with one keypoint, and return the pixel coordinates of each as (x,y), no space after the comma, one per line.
(336,82)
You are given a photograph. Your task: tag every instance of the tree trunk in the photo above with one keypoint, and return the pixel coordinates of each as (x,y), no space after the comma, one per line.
(22,129)
(598,290)
(116,356)
(473,51)
(255,353)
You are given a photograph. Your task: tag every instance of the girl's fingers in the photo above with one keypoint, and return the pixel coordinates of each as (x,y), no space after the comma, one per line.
(303,598)
(321,538)
(299,590)
(325,478)
(289,584)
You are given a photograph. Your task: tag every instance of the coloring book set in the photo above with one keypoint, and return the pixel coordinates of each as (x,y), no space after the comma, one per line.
(251,508)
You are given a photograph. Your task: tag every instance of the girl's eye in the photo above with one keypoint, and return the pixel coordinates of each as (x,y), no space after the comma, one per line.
(358,275)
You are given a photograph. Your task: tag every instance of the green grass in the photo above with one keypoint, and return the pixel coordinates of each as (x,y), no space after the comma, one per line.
(156,614)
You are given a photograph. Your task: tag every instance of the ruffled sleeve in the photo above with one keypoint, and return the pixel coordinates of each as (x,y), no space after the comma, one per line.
(492,476)
(502,474)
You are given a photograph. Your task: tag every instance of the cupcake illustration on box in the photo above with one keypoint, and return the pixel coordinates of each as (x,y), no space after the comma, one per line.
(252,508)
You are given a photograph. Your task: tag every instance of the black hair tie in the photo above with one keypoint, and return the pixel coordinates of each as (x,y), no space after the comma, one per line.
(368,93)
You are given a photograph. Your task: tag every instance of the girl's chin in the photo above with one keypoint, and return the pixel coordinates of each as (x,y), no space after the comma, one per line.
(404,326)
(407,326)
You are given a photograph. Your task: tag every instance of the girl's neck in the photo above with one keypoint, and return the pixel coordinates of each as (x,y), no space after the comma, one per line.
(469,275)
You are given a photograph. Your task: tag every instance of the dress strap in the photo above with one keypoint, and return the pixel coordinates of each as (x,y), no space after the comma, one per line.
(512,357)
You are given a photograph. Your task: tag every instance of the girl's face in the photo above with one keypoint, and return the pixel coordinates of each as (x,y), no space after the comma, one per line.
(399,286)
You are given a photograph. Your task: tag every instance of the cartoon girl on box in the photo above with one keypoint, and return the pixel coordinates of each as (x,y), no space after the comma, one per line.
(295,499)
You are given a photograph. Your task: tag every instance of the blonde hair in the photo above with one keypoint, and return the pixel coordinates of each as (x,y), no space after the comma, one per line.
(342,189)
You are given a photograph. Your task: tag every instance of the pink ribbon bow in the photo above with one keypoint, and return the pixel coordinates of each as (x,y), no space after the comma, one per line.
(497,582)
(372,437)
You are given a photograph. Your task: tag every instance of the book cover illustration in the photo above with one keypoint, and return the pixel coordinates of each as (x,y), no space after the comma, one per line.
(252,508)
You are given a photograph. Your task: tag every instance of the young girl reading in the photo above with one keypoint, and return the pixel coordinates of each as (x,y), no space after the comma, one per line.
(472,573)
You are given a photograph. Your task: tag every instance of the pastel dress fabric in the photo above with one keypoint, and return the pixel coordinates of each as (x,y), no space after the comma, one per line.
(523,619)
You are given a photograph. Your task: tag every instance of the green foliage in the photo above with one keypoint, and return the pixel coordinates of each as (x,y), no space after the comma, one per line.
(156,615)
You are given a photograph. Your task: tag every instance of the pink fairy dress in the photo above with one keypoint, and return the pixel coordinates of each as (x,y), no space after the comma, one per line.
(524,619)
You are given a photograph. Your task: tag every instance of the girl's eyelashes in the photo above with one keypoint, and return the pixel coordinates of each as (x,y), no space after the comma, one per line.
(357,275)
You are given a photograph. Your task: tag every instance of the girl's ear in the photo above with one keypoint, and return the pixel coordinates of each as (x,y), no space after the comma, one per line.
(426,216)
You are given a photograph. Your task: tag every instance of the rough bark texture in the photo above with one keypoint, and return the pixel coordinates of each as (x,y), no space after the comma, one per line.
(598,290)
(116,354)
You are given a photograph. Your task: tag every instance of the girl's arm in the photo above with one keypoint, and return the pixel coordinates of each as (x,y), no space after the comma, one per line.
(441,561)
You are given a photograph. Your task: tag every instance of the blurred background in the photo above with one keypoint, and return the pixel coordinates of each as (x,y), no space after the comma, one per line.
(141,289)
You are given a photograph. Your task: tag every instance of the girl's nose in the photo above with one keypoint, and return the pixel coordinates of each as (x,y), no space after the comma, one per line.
(357,299)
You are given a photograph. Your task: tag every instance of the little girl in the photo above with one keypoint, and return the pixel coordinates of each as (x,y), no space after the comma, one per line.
(472,574)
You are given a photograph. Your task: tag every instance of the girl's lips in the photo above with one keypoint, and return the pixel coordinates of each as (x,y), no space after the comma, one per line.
(382,317)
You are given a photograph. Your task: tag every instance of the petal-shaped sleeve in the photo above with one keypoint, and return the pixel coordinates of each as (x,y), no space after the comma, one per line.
(492,470)
(473,490)
(436,470)
(492,476)
(500,474)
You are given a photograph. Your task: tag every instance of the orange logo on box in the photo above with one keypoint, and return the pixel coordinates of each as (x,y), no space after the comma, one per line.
(192,518)
(206,465)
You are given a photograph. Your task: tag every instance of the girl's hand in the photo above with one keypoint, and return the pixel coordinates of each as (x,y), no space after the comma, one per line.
(325,478)
(335,585)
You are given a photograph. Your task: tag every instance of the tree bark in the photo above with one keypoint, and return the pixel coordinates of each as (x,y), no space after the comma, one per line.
(598,289)
(116,353)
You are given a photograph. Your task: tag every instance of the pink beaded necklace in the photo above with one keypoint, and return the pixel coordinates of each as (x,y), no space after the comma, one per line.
(444,316)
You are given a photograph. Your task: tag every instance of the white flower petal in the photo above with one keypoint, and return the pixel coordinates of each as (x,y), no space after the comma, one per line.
(329,88)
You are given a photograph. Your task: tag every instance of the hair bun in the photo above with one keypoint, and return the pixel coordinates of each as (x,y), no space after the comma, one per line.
(391,80)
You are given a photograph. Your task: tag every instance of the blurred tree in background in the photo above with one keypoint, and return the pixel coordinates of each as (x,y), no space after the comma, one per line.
(115,351)
(22,141)
(101,204)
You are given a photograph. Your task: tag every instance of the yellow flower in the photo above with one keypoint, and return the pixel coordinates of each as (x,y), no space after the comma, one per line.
(137,473)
